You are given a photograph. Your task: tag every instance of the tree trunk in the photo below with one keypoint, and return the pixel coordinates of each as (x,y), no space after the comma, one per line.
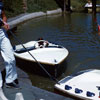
(25,5)
(69,5)
(64,6)
(94,6)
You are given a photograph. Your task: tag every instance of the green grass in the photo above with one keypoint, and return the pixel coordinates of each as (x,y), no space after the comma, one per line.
(13,7)
(78,5)
(41,5)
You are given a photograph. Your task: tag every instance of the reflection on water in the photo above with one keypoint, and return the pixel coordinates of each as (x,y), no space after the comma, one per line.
(77,32)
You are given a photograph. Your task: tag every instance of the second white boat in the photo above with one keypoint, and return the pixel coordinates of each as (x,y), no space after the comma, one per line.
(83,85)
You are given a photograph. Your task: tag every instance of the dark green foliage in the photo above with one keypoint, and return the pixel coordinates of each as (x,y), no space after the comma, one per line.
(41,5)
(13,7)
(78,5)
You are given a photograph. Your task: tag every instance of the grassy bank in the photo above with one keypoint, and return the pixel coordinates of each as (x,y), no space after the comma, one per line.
(78,5)
(41,5)
(15,7)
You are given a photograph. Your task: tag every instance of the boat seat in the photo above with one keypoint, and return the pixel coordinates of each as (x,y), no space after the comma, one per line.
(22,50)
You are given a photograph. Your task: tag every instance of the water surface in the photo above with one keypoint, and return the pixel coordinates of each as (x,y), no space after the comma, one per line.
(76,31)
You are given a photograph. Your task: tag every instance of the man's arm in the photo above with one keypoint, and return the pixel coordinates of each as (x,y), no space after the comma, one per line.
(4,18)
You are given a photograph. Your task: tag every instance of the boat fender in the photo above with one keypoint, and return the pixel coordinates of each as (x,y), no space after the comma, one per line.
(67,87)
(78,90)
(90,94)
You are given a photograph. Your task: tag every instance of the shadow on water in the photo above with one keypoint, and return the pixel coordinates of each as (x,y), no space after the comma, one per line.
(77,32)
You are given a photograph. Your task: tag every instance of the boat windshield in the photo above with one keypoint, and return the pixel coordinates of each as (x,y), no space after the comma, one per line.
(22,50)
(74,75)
(81,72)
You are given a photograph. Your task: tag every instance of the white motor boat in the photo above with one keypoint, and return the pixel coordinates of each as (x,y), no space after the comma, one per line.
(84,85)
(51,56)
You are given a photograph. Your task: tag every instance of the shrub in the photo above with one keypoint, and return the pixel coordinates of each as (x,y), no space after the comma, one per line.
(78,5)
(41,5)
(13,7)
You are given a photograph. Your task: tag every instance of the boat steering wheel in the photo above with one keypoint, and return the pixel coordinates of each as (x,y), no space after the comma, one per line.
(41,44)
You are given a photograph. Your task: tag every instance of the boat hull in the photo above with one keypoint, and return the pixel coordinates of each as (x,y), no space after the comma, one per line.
(33,67)
(51,57)
(60,92)
(84,85)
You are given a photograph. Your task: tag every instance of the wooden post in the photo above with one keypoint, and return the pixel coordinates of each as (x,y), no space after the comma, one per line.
(64,6)
(69,5)
(94,6)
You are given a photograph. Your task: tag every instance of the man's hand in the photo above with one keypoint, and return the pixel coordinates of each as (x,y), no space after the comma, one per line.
(6,26)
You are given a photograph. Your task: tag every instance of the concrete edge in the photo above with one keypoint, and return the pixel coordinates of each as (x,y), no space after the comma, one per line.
(29,16)
(54,11)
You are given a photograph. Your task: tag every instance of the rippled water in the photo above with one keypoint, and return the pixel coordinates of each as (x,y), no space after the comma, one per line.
(77,32)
